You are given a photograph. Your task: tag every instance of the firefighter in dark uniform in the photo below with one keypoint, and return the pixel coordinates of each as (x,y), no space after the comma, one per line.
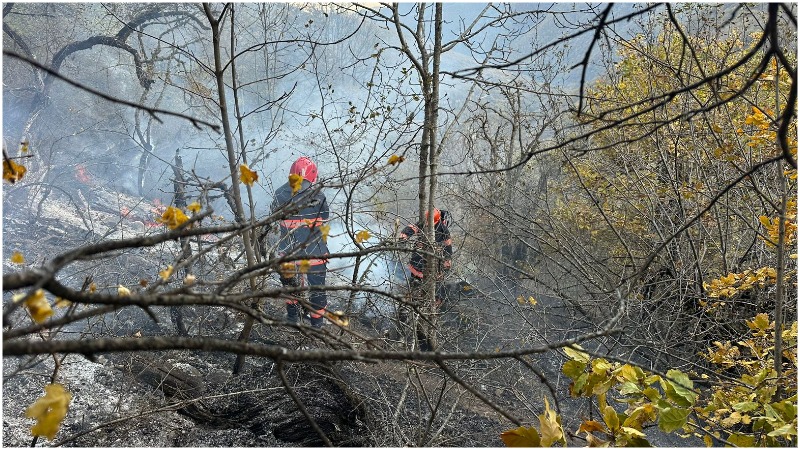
(442,247)
(300,235)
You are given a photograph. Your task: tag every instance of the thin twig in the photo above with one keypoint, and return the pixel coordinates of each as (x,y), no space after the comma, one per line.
(301,406)
(152,111)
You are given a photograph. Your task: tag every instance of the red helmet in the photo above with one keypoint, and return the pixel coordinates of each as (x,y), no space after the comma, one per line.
(437,215)
(305,168)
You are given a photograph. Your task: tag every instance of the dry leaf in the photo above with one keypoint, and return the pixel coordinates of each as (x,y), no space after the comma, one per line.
(13,172)
(17,258)
(172,218)
(194,207)
(247,176)
(295,182)
(49,411)
(166,273)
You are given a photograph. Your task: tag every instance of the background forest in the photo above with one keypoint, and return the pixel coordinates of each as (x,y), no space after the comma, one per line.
(621,178)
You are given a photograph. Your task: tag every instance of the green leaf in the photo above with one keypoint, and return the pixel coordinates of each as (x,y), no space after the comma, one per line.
(787,409)
(573,369)
(629,387)
(579,385)
(592,381)
(638,442)
(521,437)
(741,440)
(577,355)
(681,386)
(790,429)
(672,419)
(771,413)
(652,394)
(745,406)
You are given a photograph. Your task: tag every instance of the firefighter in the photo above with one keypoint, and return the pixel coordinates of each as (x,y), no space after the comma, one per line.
(442,248)
(300,235)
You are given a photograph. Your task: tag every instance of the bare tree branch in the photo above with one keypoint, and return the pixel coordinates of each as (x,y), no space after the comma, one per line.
(154,112)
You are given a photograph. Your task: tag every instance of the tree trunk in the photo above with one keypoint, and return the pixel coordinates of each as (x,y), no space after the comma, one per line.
(232,162)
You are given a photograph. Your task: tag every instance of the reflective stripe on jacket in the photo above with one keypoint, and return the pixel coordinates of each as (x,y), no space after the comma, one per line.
(304,213)
(442,248)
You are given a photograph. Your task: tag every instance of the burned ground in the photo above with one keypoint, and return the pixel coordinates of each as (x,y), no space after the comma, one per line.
(188,398)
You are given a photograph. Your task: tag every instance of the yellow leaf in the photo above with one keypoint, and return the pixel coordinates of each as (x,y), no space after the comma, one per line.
(172,218)
(640,415)
(611,418)
(304,266)
(246,175)
(17,258)
(532,301)
(13,172)
(189,280)
(521,437)
(49,411)
(628,373)
(288,270)
(166,273)
(62,303)
(394,159)
(38,306)
(577,355)
(632,432)
(732,420)
(194,207)
(760,322)
(92,288)
(765,221)
(596,442)
(295,182)
(708,441)
(600,366)
(549,425)
(362,236)
(24,146)
(122,291)
(325,230)
(338,318)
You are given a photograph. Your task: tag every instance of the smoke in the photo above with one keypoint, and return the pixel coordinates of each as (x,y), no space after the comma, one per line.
(384,270)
